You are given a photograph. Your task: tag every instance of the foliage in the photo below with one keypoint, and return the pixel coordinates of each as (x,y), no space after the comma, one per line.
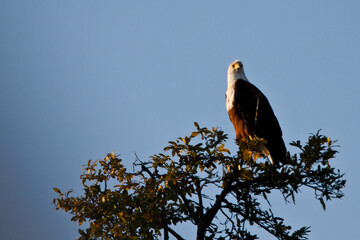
(200,182)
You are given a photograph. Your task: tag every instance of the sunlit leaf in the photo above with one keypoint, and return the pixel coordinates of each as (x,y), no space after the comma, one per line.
(194,134)
(57,190)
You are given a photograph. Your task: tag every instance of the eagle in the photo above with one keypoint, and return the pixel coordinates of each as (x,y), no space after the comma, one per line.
(251,114)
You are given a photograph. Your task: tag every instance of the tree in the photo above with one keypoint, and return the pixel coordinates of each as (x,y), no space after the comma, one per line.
(202,183)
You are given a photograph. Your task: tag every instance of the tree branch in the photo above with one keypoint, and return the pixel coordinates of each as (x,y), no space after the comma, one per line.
(206,220)
(175,234)
(201,206)
(237,210)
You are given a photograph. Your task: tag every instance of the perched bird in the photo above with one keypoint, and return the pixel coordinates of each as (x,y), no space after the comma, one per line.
(251,114)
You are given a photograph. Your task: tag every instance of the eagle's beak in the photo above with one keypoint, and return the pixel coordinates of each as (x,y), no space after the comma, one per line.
(236,66)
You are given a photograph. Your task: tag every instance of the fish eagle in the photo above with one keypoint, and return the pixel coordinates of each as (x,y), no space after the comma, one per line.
(251,114)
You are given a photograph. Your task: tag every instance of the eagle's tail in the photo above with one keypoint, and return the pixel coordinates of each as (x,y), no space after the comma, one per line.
(277,150)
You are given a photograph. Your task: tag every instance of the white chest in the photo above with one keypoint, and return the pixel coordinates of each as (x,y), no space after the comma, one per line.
(230,97)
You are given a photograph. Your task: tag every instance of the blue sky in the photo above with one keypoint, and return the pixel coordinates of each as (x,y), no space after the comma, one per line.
(79,79)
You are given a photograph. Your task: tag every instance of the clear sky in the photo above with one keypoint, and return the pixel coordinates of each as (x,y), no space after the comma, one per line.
(81,78)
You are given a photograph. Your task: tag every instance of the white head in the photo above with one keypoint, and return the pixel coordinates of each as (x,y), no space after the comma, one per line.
(236,71)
